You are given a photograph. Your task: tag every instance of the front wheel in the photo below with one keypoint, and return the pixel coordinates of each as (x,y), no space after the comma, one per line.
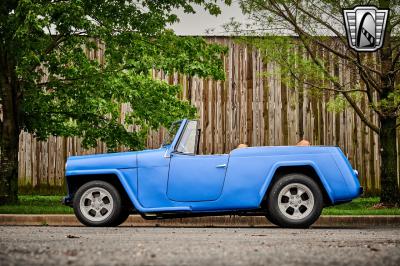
(98,203)
(294,201)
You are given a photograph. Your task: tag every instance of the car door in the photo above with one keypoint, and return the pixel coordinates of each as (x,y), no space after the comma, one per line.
(195,177)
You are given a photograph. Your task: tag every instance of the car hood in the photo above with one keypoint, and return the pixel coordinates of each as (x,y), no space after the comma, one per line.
(118,160)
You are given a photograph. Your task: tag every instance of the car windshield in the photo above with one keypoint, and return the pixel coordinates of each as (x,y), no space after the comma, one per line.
(187,141)
(170,135)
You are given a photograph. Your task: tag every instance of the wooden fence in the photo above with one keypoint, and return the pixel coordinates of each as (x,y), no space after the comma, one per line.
(245,108)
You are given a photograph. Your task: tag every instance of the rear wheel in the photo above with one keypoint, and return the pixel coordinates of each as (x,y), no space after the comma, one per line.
(270,217)
(98,203)
(294,201)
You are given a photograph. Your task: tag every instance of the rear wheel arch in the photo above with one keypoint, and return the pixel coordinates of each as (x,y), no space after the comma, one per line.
(307,170)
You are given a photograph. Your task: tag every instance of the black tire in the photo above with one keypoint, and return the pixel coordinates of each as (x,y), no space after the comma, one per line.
(311,214)
(125,212)
(115,216)
(270,218)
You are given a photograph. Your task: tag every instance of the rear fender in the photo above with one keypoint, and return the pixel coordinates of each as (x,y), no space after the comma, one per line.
(303,163)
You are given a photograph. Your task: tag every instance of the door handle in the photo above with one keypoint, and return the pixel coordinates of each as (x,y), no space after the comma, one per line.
(221,165)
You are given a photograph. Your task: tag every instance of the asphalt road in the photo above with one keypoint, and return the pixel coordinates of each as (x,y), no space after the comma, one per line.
(198,246)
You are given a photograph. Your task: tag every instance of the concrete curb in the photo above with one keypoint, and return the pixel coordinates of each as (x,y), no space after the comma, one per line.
(215,221)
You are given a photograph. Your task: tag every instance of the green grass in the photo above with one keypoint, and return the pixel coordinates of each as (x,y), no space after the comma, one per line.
(360,206)
(29,204)
(52,205)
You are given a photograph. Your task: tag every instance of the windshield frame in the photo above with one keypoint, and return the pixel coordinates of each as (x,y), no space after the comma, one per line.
(168,135)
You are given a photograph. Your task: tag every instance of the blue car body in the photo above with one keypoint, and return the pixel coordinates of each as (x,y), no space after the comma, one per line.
(164,181)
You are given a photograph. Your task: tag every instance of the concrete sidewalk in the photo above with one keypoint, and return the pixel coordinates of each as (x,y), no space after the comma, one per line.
(215,221)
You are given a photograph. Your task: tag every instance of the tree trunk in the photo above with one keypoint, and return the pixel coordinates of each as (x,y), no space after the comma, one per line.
(9,135)
(9,170)
(390,194)
(389,186)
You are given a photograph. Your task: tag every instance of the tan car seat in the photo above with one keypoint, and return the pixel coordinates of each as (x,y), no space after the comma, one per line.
(241,145)
(303,142)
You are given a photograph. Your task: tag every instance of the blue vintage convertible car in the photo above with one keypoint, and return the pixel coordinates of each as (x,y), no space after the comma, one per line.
(289,185)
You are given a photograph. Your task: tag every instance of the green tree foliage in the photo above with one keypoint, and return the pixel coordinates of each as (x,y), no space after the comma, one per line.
(50,86)
(297,34)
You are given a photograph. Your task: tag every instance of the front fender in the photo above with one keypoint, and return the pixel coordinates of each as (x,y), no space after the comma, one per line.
(132,196)
(115,172)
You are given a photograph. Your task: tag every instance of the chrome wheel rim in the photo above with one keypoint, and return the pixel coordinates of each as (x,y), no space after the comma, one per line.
(296,201)
(96,204)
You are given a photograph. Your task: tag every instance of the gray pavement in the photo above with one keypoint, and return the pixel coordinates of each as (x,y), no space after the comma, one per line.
(44,245)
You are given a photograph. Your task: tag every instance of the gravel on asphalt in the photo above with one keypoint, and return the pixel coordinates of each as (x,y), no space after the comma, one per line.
(45,245)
